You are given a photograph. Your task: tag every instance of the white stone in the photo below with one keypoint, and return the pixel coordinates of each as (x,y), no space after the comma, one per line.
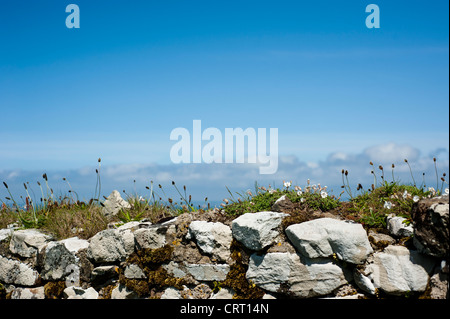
(397,227)
(223,293)
(28,293)
(211,238)
(396,270)
(17,273)
(325,236)
(5,234)
(171,293)
(257,230)
(288,273)
(113,204)
(80,293)
(75,244)
(27,242)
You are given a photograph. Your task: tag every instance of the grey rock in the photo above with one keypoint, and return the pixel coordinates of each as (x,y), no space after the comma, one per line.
(208,272)
(55,261)
(396,270)
(122,292)
(211,238)
(257,230)
(133,271)
(107,246)
(153,237)
(324,237)
(294,274)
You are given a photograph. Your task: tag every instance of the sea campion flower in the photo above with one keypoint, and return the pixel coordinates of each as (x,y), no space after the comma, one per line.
(299,193)
(302,199)
(387,205)
(446,191)
(323,194)
(287,184)
(416,199)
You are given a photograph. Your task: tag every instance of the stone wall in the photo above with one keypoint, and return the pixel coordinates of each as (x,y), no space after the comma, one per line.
(209,255)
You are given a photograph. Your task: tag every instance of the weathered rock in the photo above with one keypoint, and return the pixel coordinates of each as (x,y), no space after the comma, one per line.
(152,238)
(133,271)
(325,236)
(396,270)
(171,293)
(212,238)
(223,293)
(201,291)
(113,204)
(80,293)
(122,292)
(431,222)
(103,274)
(55,261)
(379,240)
(208,272)
(17,273)
(282,204)
(28,293)
(75,244)
(5,234)
(27,242)
(107,246)
(257,230)
(397,226)
(294,274)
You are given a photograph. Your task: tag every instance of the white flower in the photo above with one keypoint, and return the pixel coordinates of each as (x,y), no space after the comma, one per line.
(387,205)
(300,193)
(141,199)
(287,184)
(416,199)
(446,190)
(271,191)
(432,190)
(302,199)
(324,194)
(405,194)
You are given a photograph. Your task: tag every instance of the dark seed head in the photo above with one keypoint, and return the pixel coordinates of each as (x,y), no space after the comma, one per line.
(6,185)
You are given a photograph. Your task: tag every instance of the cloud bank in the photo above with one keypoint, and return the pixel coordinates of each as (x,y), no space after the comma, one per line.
(211,180)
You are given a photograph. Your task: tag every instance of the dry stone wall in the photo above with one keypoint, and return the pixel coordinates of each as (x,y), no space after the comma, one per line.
(208,255)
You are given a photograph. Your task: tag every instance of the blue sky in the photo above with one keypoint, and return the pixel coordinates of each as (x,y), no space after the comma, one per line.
(339,93)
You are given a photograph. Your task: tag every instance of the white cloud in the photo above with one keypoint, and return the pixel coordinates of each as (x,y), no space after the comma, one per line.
(392,152)
(211,179)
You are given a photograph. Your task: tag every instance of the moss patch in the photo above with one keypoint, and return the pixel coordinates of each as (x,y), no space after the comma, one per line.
(150,260)
(54,289)
(236,279)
